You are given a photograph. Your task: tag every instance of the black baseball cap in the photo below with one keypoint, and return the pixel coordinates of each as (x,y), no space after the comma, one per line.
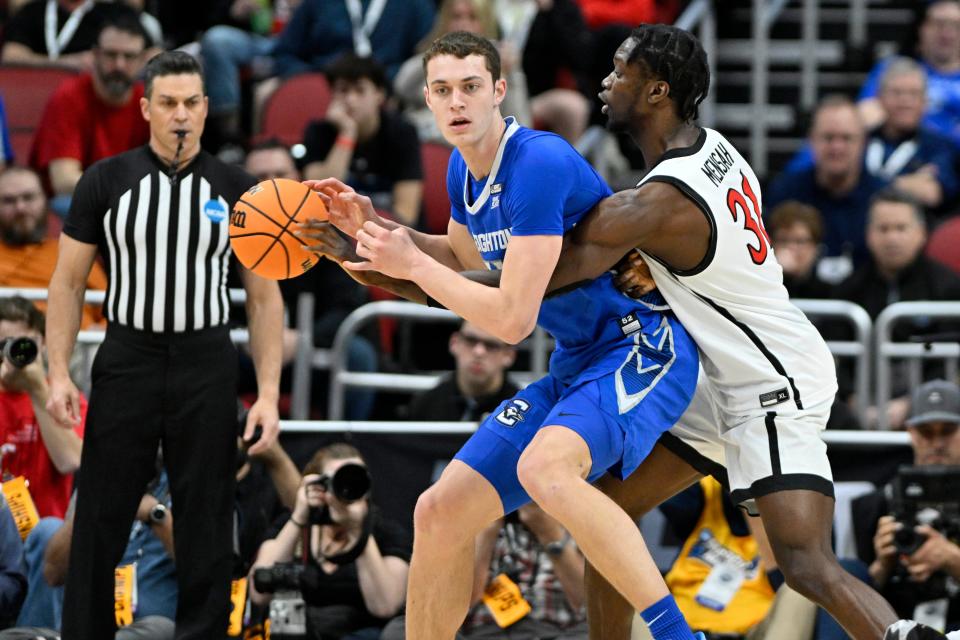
(935,401)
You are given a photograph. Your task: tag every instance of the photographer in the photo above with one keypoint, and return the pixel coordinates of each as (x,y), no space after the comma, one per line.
(353,573)
(918,571)
(44,453)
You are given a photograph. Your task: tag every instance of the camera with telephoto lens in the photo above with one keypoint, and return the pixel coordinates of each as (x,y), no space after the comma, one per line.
(19,352)
(925,495)
(349,483)
(285,576)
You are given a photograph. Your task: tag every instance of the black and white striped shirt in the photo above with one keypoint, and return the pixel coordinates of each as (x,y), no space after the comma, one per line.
(165,244)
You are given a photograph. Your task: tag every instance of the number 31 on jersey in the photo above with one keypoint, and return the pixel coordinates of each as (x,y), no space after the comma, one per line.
(752,219)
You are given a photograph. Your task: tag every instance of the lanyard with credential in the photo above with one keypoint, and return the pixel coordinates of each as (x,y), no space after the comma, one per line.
(364,25)
(57,41)
(894,164)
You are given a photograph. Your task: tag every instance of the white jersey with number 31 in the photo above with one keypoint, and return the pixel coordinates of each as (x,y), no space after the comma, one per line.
(758,350)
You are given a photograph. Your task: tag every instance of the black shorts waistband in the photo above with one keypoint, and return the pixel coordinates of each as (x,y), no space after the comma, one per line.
(207,335)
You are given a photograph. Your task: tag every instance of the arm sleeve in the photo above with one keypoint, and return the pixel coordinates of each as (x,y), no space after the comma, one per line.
(406,146)
(84,221)
(318,140)
(392,539)
(292,41)
(544,175)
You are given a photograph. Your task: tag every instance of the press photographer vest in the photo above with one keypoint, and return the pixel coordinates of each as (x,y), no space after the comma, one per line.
(718,581)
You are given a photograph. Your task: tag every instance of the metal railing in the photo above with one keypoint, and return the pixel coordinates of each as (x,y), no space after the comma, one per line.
(341,377)
(699,14)
(857,349)
(887,350)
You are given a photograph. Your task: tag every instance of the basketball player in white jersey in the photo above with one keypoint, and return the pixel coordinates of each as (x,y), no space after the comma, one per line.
(769,377)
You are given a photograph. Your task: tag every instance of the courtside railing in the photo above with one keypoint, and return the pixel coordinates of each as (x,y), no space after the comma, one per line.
(943,348)
(858,349)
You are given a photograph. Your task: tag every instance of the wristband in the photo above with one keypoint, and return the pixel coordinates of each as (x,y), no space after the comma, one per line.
(346,142)
(299,524)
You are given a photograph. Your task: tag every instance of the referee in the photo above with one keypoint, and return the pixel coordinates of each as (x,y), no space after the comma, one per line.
(166,372)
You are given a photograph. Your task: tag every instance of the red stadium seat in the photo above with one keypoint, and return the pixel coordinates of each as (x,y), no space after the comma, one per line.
(290,108)
(943,244)
(436,203)
(25,90)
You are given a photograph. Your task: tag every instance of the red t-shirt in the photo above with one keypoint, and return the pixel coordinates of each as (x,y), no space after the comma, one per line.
(77,124)
(49,488)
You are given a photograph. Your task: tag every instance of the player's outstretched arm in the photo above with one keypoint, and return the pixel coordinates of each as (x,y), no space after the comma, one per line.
(349,210)
(656,218)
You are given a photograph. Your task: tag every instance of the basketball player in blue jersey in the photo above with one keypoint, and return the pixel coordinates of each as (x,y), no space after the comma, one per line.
(623,371)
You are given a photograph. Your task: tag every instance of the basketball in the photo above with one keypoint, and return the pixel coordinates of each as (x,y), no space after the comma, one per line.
(263,223)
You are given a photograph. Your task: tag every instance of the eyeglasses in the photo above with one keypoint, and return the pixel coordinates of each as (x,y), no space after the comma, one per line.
(472,342)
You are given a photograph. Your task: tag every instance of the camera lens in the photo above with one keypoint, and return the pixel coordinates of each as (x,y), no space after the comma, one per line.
(20,351)
(351,482)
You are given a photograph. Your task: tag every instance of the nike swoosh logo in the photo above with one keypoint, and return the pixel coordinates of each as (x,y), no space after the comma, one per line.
(662,613)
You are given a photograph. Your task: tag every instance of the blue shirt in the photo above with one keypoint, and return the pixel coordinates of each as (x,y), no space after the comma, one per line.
(320,31)
(844,217)
(13,574)
(156,573)
(6,147)
(943,97)
(540,185)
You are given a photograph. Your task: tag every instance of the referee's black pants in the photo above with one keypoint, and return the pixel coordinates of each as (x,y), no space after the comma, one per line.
(148,389)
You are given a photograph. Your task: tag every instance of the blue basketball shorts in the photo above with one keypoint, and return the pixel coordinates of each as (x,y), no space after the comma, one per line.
(632,394)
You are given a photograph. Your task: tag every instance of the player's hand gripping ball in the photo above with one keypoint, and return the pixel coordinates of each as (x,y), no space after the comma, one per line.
(263,223)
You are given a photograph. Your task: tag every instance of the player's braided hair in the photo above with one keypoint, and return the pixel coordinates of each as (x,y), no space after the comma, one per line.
(676,57)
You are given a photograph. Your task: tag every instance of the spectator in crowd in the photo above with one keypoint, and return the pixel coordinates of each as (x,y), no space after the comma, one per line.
(243,35)
(837,185)
(13,577)
(897,270)
(336,295)
(45,452)
(536,553)
(94,115)
(267,484)
(601,13)
(796,231)
(356,561)
(530,551)
(910,574)
(726,579)
(918,160)
(149,550)
(31,38)
(475,16)
(938,51)
(322,30)
(477,385)
(361,142)
(28,252)
(551,37)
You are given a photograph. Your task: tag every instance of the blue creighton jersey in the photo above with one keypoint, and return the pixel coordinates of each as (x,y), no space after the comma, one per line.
(540,185)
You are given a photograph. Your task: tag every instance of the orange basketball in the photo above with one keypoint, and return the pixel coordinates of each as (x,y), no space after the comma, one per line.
(262,226)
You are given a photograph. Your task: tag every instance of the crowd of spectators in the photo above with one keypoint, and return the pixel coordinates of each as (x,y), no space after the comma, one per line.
(848,219)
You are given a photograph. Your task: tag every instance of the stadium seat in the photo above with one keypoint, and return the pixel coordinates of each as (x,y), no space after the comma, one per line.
(290,108)
(25,90)
(436,204)
(943,244)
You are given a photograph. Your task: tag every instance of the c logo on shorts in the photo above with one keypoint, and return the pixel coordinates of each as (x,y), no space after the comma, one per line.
(513,412)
